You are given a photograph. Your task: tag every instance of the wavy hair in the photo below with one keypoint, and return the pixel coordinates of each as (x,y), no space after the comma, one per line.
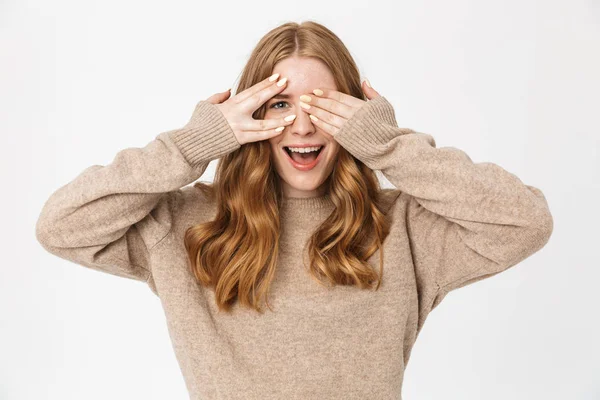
(236,253)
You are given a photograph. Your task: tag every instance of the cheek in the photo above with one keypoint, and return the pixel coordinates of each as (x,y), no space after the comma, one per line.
(277,157)
(335,148)
(274,143)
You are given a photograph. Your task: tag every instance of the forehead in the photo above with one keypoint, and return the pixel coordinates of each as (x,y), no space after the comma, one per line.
(304,74)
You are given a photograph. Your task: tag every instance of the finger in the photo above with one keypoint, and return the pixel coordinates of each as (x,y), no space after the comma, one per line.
(252,90)
(331,105)
(219,97)
(267,124)
(369,91)
(255,136)
(326,128)
(340,97)
(259,98)
(326,116)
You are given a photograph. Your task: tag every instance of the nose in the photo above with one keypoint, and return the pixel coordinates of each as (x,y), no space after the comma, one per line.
(302,124)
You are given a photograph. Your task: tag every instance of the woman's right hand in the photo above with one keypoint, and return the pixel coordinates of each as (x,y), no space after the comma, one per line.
(238,110)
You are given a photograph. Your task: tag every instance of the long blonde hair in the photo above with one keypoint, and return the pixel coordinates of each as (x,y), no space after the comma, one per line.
(236,253)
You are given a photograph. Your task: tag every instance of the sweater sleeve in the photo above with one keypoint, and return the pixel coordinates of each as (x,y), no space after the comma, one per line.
(109,217)
(465,221)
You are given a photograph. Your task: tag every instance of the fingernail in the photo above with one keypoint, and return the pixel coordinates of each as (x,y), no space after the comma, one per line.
(273,77)
(305,98)
(279,129)
(318,92)
(281,82)
(290,117)
(367,82)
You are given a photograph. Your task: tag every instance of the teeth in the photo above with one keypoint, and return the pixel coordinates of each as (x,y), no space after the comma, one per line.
(303,150)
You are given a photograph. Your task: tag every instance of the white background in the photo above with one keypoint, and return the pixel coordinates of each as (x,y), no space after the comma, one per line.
(513,82)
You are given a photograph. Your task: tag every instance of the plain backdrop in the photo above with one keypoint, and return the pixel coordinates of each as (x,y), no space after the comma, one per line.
(513,82)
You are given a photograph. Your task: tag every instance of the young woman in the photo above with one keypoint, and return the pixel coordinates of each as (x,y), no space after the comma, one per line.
(296,212)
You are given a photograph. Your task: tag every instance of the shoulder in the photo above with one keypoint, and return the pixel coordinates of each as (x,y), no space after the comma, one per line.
(191,205)
(197,198)
(389,197)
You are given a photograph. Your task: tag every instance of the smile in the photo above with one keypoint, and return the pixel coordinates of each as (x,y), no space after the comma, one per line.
(304,166)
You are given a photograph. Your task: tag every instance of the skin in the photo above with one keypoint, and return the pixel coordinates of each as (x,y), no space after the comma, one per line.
(305,80)
(332,109)
(304,74)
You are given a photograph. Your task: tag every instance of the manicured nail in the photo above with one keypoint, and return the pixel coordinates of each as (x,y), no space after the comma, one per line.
(279,129)
(273,77)
(290,117)
(367,82)
(281,82)
(318,92)
(304,105)
(305,98)
(313,117)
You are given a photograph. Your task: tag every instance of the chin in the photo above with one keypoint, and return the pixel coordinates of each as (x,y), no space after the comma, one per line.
(299,186)
(299,183)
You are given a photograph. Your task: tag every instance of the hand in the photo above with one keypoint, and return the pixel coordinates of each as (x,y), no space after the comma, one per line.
(332,108)
(238,111)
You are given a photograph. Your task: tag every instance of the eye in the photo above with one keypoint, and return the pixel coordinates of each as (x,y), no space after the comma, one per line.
(279,102)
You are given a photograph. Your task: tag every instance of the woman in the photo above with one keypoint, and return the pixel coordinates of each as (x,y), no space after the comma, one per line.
(351,270)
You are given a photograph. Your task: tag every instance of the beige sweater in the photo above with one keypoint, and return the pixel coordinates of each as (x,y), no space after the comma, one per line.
(454,222)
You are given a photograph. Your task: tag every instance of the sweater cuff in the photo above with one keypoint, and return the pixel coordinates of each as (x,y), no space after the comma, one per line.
(206,137)
(374,124)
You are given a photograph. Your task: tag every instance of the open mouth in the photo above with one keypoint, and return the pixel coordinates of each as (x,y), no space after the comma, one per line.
(303,161)
(299,157)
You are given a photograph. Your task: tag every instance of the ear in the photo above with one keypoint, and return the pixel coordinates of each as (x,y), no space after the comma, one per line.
(369,91)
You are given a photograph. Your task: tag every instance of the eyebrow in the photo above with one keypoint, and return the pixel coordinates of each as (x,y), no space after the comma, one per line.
(281,96)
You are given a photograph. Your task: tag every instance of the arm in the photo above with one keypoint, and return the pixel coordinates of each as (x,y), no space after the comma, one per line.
(466,221)
(109,217)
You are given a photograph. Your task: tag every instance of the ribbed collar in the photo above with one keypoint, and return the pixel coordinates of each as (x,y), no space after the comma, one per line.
(319,202)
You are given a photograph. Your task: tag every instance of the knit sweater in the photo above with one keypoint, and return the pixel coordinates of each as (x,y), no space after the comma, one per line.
(454,222)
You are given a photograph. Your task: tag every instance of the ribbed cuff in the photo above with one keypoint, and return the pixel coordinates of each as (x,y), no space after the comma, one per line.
(206,137)
(374,124)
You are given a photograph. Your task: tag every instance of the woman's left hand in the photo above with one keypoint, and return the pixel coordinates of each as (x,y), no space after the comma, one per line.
(330,109)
